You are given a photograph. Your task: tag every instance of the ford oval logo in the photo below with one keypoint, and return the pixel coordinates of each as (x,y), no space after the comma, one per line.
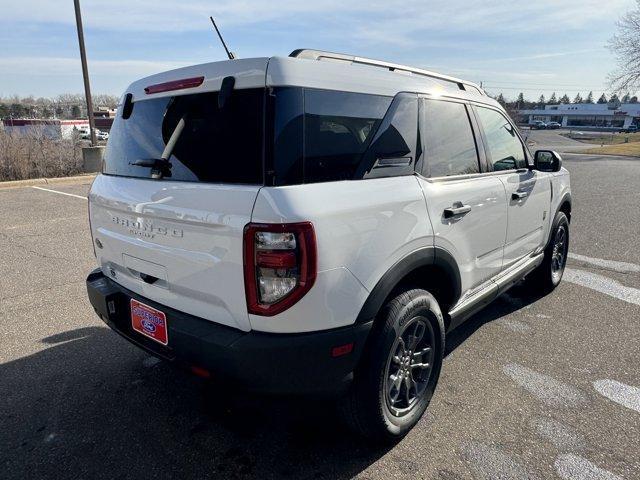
(148,325)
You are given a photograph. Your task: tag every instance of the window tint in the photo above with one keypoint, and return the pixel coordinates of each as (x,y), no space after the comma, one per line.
(338,127)
(505,150)
(392,149)
(288,127)
(325,135)
(450,147)
(217,144)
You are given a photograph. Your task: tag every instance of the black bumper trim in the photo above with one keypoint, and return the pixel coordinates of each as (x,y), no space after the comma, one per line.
(297,363)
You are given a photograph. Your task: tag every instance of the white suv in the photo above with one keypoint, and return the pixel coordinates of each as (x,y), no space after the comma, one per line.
(317,224)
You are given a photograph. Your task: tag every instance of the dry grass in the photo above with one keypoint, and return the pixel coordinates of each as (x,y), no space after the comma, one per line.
(631,149)
(35,155)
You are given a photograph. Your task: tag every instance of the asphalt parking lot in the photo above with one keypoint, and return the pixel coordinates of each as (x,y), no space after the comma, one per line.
(531,387)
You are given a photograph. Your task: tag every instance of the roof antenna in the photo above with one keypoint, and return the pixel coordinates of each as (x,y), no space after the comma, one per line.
(229,54)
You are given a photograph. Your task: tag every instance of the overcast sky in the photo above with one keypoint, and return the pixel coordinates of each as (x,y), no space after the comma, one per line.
(534,46)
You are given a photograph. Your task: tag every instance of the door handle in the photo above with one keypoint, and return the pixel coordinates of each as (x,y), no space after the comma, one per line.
(519,195)
(456,210)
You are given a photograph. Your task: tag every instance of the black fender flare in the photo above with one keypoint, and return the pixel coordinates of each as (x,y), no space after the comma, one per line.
(566,198)
(426,256)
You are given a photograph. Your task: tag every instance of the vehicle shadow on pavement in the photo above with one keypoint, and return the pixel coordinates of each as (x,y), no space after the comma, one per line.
(91,405)
(518,297)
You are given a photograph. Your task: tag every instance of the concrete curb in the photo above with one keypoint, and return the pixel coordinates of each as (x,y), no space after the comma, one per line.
(48,181)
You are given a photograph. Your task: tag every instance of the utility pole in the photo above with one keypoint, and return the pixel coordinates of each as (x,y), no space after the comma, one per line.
(85,72)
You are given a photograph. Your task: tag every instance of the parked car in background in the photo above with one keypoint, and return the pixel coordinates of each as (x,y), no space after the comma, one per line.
(553,125)
(301,226)
(538,125)
(100,135)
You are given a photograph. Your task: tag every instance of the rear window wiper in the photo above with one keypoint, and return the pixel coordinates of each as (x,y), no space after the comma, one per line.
(161,167)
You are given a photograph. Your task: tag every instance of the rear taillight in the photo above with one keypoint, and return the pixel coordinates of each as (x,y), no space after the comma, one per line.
(279,265)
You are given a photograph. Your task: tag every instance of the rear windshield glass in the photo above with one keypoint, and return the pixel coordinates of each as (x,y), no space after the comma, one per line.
(218,145)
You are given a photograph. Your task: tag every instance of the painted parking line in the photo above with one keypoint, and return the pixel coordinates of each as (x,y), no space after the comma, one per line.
(573,467)
(622,267)
(547,389)
(602,284)
(618,392)
(61,193)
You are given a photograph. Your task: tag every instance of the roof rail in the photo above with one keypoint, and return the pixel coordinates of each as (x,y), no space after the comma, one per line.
(311,54)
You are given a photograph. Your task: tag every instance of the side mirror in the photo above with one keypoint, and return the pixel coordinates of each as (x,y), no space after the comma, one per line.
(547,161)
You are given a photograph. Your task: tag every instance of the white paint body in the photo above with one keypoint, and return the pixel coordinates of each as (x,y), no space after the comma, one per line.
(189,235)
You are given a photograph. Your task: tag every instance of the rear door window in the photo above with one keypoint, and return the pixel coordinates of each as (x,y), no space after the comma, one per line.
(324,135)
(505,150)
(338,128)
(217,145)
(449,142)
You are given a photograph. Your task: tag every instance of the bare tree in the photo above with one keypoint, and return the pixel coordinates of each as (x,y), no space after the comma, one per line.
(625,45)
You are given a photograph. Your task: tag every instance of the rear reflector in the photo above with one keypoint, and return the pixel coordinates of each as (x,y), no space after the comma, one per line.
(342,350)
(276,259)
(174,85)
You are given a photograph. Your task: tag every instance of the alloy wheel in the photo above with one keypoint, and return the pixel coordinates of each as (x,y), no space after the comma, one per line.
(409,366)
(559,253)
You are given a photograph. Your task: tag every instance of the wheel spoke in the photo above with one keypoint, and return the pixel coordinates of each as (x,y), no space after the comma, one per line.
(401,346)
(422,352)
(416,335)
(421,365)
(394,391)
(407,390)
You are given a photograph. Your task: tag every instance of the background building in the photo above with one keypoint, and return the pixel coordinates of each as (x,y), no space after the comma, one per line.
(49,128)
(586,115)
(103,118)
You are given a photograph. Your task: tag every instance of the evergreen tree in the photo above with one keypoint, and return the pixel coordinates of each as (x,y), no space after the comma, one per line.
(602,99)
(578,99)
(500,99)
(633,99)
(626,98)
(553,100)
(520,101)
(589,98)
(75,111)
(565,99)
(614,99)
(542,101)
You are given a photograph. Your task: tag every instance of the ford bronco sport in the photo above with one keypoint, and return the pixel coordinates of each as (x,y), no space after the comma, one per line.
(317,224)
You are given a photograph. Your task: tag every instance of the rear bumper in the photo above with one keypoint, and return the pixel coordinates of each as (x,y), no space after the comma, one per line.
(263,362)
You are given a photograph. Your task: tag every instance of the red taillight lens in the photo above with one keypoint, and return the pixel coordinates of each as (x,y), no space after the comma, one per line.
(174,85)
(279,265)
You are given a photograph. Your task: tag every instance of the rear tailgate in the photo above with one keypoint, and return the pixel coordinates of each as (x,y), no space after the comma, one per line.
(182,170)
(178,244)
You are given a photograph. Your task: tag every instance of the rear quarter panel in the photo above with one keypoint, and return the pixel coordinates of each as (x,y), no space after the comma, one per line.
(362,228)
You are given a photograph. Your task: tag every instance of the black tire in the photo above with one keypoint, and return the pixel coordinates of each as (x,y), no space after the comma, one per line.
(369,408)
(549,273)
